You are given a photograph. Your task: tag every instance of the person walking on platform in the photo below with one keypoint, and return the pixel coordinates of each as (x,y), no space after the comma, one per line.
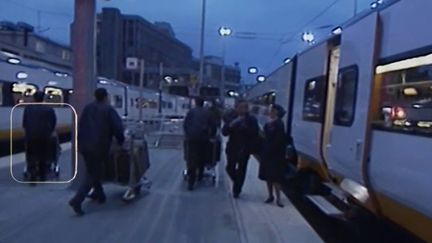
(98,124)
(39,122)
(242,129)
(197,127)
(272,164)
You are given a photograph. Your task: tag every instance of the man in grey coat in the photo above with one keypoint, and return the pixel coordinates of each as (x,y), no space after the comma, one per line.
(99,122)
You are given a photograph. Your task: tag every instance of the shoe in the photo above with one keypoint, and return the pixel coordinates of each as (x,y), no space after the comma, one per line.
(279,204)
(76,208)
(236,195)
(95,198)
(190,187)
(269,200)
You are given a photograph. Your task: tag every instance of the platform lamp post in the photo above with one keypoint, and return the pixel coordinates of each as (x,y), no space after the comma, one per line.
(223,32)
(161,86)
(201,47)
(83,40)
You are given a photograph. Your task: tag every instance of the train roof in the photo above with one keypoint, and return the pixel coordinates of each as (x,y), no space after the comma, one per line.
(336,37)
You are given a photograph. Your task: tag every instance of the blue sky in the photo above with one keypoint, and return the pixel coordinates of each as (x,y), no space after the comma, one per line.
(271,20)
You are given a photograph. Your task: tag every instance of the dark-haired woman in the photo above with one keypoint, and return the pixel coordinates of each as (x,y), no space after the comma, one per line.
(272,165)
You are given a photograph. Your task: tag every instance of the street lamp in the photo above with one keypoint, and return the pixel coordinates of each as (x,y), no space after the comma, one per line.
(337,30)
(261,78)
(252,70)
(308,37)
(287,60)
(223,32)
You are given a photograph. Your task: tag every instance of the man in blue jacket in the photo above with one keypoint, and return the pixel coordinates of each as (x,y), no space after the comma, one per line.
(99,122)
(197,127)
(39,122)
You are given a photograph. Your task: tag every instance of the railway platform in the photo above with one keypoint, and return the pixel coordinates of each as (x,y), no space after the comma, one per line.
(166,213)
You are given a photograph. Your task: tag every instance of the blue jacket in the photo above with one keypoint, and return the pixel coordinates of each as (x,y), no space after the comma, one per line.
(243,135)
(99,122)
(198,124)
(39,121)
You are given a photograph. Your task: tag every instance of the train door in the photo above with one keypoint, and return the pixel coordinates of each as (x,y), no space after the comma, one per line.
(345,147)
(332,78)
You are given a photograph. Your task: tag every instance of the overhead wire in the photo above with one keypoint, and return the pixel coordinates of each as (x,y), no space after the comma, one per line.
(284,41)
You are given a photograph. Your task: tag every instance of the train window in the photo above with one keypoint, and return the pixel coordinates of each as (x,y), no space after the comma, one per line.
(23,92)
(170,105)
(118,101)
(314,99)
(1,94)
(346,96)
(53,95)
(406,99)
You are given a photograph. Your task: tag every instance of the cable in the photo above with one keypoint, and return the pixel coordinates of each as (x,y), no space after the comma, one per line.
(285,41)
(39,10)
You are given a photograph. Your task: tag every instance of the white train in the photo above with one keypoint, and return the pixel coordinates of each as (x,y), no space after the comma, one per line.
(359,111)
(21,78)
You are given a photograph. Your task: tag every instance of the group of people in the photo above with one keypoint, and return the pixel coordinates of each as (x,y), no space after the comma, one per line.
(245,138)
(99,123)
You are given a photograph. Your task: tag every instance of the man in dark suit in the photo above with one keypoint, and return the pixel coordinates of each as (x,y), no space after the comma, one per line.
(197,127)
(242,130)
(39,122)
(99,122)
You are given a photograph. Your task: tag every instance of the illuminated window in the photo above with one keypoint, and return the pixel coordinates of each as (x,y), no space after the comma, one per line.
(314,99)
(53,95)
(23,92)
(405,96)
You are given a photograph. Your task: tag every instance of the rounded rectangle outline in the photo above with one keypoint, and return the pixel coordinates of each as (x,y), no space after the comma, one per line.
(75,140)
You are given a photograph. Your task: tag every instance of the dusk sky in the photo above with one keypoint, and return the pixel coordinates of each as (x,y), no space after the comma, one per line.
(277,24)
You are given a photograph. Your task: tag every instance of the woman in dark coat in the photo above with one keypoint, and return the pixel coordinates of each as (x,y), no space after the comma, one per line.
(273,164)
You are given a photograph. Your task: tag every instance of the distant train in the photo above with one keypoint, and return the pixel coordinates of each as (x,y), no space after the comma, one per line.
(360,112)
(21,78)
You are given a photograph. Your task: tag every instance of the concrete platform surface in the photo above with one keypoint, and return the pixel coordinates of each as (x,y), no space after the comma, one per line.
(168,213)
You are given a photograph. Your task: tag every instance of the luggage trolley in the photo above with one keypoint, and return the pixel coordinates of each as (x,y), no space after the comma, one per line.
(212,159)
(54,152)
(127,167)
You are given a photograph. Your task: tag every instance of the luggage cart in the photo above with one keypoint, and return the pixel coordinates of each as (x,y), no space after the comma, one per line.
(53,167)
(213,158)
(127,167)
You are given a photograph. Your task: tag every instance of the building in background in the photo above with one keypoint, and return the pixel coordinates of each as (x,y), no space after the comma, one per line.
(20,39)
(120,36)
(213,73)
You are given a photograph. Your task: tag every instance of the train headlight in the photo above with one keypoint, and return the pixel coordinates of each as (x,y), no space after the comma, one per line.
(13,60)
(21,75)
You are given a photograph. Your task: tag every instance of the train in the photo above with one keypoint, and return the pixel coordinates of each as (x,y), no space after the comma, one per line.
(359,106)
(20,78)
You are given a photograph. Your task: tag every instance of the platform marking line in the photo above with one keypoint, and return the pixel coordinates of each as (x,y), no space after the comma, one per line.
(237,214)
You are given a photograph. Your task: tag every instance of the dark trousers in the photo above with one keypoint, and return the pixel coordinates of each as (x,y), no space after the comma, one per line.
(198,150)
(236,168)
(94,165)
(37,157)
